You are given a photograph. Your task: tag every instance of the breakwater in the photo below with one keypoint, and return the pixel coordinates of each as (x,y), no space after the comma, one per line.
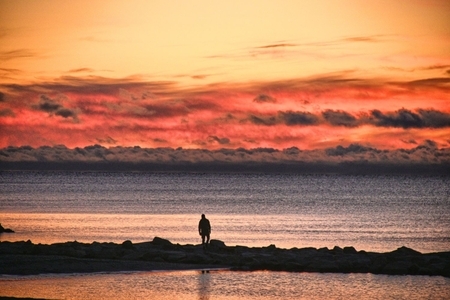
(23,258)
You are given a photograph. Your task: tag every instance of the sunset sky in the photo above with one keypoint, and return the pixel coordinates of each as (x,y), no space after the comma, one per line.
(225,74)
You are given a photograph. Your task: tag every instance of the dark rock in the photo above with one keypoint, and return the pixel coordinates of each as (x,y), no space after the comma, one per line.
(346,260)
(403,251)
(173,256)
(337,250)
(306,252)
(322,265)
(378,263)
(323,250)
(161,242)
(302,262)
(270,248)
(151,255)
(398,268)
(127,245)
(132,255)
(111,253)
(440,269)
(5,230)
(217,244)
(350,250)
(93,251)
(196,258)
(64,250)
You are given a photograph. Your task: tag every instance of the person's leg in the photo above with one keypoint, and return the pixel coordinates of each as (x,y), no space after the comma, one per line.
(203,242)
(207,239)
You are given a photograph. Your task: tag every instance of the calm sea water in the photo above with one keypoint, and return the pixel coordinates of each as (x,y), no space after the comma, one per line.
(373,213)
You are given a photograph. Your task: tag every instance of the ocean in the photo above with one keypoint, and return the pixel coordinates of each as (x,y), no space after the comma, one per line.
(374,213)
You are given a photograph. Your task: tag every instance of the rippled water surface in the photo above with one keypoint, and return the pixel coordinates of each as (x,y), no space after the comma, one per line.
(227,285)
(374,213)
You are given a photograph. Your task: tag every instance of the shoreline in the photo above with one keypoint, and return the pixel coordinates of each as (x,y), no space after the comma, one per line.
(26,258)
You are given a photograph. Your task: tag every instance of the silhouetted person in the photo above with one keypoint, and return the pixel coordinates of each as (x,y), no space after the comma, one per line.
(204,229)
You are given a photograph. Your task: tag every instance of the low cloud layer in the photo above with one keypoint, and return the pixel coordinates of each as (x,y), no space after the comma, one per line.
(356,158)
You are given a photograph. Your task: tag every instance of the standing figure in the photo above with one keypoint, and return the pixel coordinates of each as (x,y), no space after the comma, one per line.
(204,229)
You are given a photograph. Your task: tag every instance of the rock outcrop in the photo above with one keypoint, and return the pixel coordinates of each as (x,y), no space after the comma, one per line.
(403,261)
(6,230)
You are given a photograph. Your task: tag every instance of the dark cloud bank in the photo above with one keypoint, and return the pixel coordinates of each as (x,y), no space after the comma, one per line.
(402,118)
(354,159)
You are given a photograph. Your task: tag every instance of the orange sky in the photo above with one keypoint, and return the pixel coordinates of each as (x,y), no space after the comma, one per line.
(225,74)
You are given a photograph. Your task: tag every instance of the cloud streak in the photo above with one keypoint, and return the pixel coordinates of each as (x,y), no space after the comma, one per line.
(315,49)
(16,54)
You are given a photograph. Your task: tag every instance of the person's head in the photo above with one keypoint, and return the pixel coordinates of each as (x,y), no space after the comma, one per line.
(203,216)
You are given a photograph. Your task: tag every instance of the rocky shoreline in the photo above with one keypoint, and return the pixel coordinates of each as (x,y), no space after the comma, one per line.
(26,258)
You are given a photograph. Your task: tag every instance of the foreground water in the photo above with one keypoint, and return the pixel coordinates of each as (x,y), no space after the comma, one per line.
(226,285)
(373,213)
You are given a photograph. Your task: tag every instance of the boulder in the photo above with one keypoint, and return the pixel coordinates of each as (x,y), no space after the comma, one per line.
(405,251)
(127,244)
(270,248)
(161,242)
(337,250)
(350,250)
(217,244)
(5,230)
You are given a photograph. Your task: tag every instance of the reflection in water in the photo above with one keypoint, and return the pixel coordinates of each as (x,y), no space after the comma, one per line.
(225,285)
(204,285)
